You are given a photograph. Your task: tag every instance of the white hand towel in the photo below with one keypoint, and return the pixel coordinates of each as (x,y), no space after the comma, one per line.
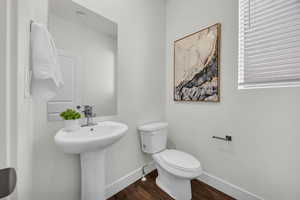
(44,55)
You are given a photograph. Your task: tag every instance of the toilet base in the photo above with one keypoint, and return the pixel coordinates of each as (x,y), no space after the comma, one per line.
(178,188)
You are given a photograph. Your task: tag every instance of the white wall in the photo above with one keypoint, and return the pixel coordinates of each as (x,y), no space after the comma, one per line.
(141,90)
(264,155)
(21,112)
(96,54)
(10,99)
(8,105)
(16,140)
(3,30)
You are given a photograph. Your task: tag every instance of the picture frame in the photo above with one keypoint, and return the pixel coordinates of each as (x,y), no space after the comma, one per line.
(197,66)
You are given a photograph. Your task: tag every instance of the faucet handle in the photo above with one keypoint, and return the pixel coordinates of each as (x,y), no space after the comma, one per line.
(87,110)
(81,108)
(88,106)
(85,107)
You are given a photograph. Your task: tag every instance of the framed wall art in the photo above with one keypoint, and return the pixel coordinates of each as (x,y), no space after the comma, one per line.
(197,66)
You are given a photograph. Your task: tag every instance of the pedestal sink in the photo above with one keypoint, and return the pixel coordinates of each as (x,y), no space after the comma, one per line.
(91,142)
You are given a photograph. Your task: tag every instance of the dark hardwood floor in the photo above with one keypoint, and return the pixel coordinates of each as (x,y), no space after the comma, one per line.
(149,191)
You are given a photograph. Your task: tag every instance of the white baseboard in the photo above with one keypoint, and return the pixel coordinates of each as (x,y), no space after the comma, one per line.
(127,180)
(228,188)
(218,183)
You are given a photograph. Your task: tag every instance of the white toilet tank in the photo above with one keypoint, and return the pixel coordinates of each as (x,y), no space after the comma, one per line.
(153,137)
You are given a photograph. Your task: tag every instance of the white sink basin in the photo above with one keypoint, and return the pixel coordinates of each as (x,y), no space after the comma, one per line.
(92,138)
(90,143)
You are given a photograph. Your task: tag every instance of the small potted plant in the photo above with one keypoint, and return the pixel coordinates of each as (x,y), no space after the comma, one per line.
(71,118)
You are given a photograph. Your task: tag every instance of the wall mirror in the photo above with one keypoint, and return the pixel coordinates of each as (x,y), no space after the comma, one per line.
(87,48)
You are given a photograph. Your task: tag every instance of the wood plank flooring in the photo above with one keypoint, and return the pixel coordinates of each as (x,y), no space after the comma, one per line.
(149,191)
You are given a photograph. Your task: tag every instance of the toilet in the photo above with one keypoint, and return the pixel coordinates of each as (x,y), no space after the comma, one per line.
(175,168)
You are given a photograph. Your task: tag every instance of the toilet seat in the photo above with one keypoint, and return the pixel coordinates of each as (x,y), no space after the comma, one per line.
(178,163)
(180,160)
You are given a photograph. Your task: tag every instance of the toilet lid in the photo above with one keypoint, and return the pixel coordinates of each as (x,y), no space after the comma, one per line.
(179,159)
(154,126)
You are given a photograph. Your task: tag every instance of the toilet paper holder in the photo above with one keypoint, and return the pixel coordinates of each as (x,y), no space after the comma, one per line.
(227,138)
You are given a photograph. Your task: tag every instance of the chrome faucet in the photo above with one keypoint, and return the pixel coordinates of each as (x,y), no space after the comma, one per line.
(88,114)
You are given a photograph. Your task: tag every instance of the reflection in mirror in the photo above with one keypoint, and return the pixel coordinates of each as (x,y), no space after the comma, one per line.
(87,44)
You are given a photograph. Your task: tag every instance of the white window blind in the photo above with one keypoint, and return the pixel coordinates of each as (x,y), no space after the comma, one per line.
(269,43)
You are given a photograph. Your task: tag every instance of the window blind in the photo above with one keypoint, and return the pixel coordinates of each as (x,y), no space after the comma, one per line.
(269,43)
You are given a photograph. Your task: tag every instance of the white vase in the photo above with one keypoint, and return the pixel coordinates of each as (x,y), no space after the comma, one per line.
(72,125)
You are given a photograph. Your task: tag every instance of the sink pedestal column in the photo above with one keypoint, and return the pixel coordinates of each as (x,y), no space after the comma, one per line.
(93,175)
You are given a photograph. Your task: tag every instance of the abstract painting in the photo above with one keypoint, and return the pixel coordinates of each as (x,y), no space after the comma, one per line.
(196,66)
